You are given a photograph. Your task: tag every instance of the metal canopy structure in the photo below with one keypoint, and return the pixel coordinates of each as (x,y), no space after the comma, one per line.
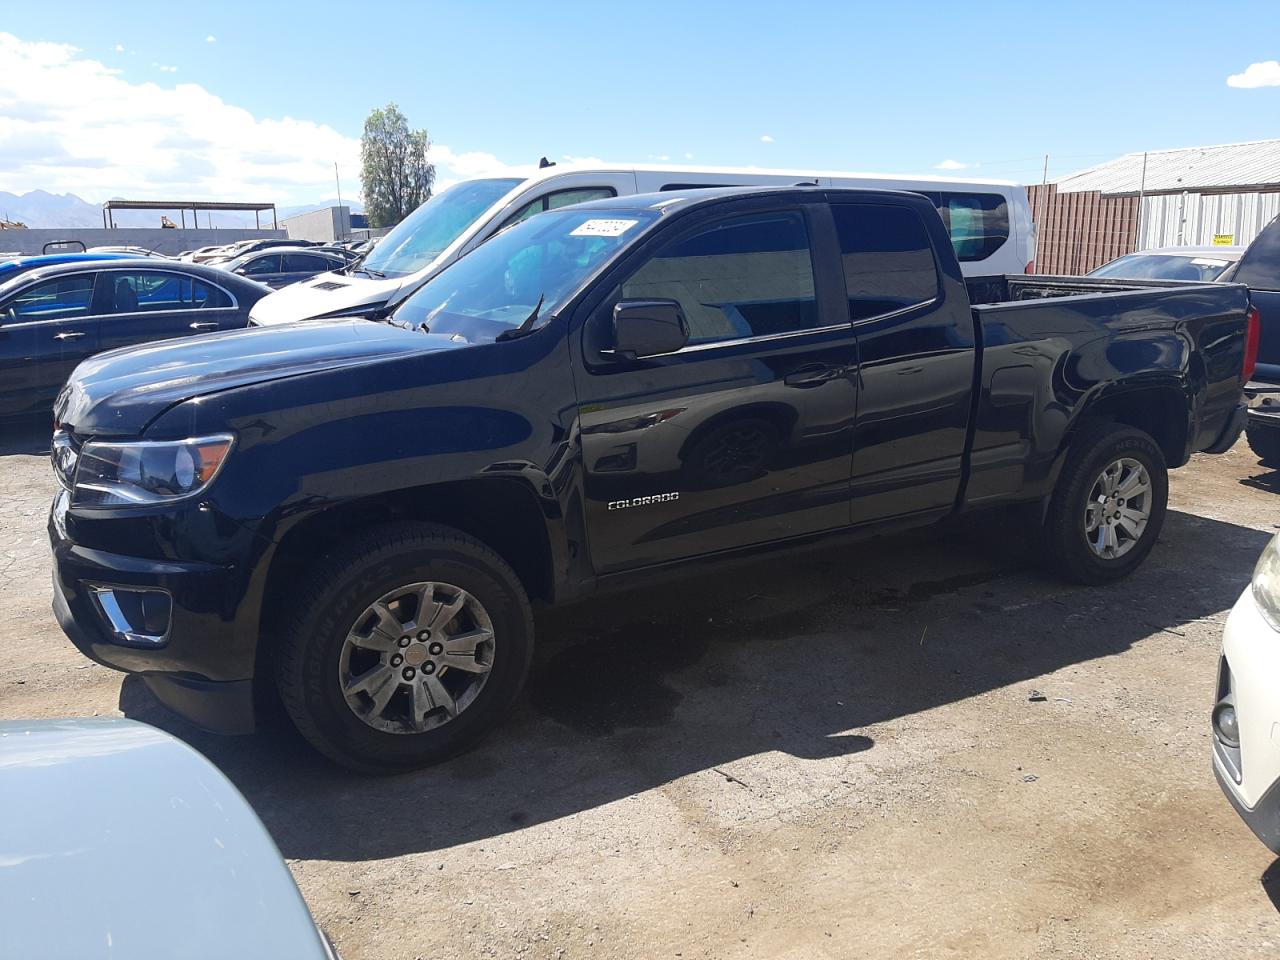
(182,206)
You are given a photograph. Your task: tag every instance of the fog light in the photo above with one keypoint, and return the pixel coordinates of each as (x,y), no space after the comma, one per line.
(1225,724)
(136,617)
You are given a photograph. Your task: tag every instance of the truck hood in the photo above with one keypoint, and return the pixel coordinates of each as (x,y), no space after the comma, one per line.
(119,392)
(323,296)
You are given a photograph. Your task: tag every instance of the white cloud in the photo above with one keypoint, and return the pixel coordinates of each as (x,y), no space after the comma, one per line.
(119,48)
(688,156)
(766,139)
(1264,74)
(211,39)
(951,165)
(69,124)
(165,69)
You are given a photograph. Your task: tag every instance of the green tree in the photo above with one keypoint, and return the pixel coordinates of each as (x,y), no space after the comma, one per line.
(395,174)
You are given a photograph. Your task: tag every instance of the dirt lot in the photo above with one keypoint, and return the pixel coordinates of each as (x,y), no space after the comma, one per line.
(835,755)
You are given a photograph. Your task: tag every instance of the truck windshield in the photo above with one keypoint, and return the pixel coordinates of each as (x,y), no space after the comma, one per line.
(423,235)
(526,271)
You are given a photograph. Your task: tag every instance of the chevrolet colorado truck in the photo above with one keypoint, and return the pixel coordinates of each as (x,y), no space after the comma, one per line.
(356,515)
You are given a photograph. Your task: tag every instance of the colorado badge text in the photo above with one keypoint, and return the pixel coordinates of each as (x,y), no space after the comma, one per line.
(643,501)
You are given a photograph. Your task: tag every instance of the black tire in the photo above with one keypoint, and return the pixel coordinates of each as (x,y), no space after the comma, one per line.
(331,597)
(1067,546)
(1265,442)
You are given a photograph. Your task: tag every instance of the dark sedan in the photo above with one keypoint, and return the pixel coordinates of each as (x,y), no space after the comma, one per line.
(279,268)
(54,317)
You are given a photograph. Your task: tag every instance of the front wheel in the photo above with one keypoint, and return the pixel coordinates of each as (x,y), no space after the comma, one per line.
(1109,504)
(408,646)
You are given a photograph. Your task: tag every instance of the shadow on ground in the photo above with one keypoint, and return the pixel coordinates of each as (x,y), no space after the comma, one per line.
(796,655)
(1271,883)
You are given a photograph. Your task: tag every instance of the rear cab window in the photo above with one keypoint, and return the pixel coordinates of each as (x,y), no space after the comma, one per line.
(888,260)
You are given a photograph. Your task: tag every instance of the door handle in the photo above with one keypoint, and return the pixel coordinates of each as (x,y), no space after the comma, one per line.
(69,335)
(204,325)
(814,376)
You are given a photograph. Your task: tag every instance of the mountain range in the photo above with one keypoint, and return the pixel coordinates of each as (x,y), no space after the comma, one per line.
(38,208)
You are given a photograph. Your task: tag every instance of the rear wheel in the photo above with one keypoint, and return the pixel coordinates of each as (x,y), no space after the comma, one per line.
(1109,505)
(408,646)
(1265,442)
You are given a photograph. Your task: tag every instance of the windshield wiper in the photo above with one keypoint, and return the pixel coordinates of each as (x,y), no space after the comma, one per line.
(524,328)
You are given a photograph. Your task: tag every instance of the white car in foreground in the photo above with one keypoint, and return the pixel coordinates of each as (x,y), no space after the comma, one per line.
(1246,718)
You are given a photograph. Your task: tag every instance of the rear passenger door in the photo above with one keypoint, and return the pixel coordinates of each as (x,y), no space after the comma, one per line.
(138,306)
(744,435)
(916,353)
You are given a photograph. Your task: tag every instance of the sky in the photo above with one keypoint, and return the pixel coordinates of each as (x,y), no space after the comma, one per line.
(258,101)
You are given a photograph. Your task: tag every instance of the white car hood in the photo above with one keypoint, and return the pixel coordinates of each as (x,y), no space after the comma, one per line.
(326,295)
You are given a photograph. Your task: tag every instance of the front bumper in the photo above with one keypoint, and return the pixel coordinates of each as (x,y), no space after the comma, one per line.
(1263,402)
(201,664)
(1250,775)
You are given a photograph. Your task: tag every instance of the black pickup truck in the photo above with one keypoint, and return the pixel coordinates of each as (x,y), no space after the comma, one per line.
(357,514)
(1259,270)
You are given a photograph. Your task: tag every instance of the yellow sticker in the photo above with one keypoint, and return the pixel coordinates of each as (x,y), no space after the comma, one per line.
(1224,239)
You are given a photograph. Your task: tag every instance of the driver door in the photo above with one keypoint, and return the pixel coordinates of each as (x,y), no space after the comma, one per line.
(744,435)
(46,329)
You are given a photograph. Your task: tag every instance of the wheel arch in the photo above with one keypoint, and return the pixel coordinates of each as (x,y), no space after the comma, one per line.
(502,513)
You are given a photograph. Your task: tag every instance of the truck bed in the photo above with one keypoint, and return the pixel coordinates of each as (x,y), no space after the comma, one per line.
(989,291)
(1051,347)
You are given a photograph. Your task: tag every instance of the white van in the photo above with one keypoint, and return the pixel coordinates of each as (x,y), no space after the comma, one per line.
(989,220)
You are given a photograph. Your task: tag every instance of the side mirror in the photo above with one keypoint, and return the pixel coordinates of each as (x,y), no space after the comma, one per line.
(648,328)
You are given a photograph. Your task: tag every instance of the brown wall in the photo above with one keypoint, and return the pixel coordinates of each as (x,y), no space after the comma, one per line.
(1080,231)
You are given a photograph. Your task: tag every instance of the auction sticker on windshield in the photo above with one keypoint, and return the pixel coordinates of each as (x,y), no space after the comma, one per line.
(603,228)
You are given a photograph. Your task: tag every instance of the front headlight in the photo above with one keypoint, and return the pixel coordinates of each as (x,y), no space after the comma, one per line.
(1266,583)
(143,472)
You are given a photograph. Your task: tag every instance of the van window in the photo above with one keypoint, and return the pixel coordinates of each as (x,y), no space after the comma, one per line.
(887,258)
(978,222)
(747,276)
(557,199)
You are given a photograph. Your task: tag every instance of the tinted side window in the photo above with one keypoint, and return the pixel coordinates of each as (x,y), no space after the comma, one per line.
(304,262)
(745,277)
(888,261)
(146,292)
(1260,265)
(207,296)
(58,299)
(261,265)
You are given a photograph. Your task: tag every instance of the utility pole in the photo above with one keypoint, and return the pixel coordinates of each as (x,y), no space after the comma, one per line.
(1044,205)
(1142,189)
(337,182)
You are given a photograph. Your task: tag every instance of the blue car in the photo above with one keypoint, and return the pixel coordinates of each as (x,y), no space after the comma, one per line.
(11,268)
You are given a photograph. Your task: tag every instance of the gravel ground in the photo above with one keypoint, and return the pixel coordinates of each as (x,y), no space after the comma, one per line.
(912,747)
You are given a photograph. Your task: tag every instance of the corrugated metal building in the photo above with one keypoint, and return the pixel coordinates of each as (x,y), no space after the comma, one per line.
(1192,195)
